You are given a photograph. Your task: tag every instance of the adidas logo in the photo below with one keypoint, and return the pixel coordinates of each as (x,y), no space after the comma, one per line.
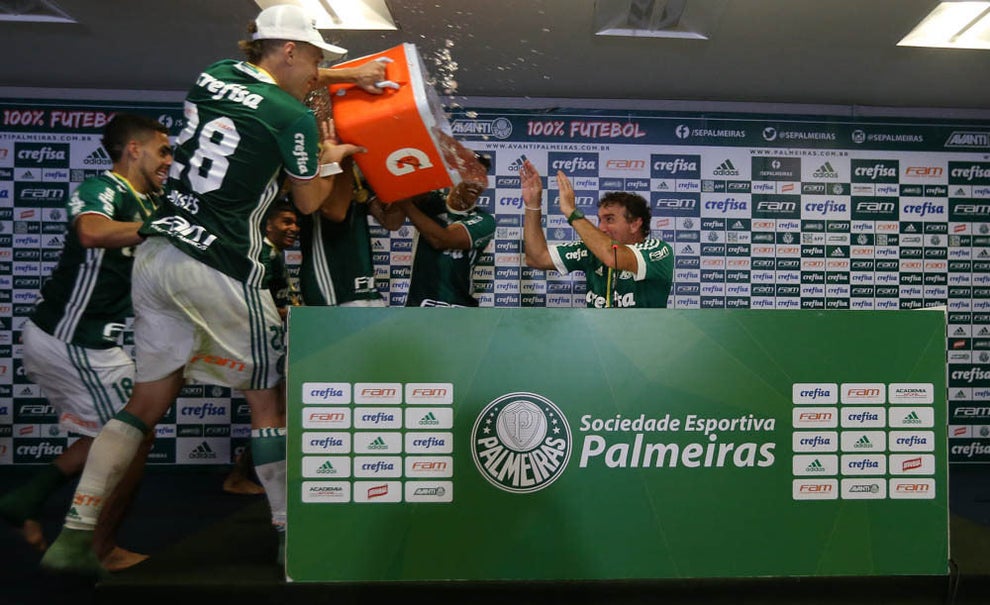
(912,418)
(429,420)
(378,444)
(517,165)
(816,466)
(73,514)
(863,443)
(203,451)
(326,469)
(99,158)
(825,171)
(726,168)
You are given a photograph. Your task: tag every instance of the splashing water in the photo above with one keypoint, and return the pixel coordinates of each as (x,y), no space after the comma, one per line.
(319,101)
(461,159)
(444,69)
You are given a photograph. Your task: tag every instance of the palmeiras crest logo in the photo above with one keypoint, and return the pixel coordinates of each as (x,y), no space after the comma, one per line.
(521,442)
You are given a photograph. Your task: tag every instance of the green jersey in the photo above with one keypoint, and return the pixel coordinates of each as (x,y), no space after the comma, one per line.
(241,132)
(88,297)
(446,276)
(336,261)
(648,287)
(282,286)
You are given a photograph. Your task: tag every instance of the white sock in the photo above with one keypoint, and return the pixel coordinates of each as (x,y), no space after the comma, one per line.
(268,451)
(109,456)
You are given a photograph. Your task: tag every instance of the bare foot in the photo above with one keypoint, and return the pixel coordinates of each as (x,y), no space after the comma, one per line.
(120,558)
(241,485)
(32,534)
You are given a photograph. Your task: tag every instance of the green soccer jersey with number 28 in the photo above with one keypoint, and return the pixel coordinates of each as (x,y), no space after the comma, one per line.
(241,130)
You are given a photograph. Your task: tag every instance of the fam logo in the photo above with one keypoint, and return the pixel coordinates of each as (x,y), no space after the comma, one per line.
(522,442)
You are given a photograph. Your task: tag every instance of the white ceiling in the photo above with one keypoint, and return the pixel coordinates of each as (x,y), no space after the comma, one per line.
(822,52)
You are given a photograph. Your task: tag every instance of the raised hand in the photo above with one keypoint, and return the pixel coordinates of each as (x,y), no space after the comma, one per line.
(532,186)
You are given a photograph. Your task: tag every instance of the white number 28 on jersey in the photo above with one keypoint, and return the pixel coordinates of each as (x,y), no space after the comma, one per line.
(217,140)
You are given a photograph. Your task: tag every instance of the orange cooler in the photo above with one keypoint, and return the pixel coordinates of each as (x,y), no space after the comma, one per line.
(410,146)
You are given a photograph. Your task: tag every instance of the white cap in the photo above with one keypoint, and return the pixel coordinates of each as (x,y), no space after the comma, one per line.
(290,22)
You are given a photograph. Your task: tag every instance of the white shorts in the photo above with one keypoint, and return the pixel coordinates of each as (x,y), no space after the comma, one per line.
(85,386)
(189,314)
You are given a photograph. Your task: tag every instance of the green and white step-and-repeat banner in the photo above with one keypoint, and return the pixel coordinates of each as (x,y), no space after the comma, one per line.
(765,211)
(536,444)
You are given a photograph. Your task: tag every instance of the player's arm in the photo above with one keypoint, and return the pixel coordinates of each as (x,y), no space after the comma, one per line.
(534,240)
(364,76)
(451,237)
(97,230)
(613,254)
(389,216)
(310,194)
(339,201)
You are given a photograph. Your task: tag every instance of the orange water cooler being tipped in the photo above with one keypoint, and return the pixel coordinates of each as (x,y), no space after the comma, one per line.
(410,146)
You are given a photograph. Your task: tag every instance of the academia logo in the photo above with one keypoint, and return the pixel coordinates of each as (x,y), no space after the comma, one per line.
(521,442)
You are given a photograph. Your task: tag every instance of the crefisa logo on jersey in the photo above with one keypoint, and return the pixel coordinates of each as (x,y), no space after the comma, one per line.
(521,442)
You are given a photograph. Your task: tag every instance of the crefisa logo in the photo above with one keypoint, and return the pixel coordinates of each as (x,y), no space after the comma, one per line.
(521,442)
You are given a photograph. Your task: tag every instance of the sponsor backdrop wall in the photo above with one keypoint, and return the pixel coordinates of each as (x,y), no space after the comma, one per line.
(764,211)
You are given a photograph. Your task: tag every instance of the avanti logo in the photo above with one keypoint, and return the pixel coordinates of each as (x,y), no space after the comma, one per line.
(970,139)
(522,442)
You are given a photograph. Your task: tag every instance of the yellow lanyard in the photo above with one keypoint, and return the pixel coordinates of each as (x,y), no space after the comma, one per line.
(145,212)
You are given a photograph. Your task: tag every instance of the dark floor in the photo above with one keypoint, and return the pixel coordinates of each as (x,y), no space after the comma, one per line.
(171,505)
(222,549)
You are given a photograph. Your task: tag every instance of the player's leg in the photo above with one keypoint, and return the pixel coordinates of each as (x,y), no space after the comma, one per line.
(162,338)
(22,506)
(112,452)
(112,556)
(238,480)
(248,355)
(47,364)
(268,450)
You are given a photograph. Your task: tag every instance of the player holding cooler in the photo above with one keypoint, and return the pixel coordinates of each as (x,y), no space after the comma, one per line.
(202,310)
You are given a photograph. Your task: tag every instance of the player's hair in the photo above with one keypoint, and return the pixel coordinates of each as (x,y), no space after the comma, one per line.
(635,206)
(254,50)
(124,128)
(484,160)
(280,205)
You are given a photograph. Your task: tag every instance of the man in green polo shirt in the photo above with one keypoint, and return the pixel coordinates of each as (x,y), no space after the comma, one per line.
(624,266)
